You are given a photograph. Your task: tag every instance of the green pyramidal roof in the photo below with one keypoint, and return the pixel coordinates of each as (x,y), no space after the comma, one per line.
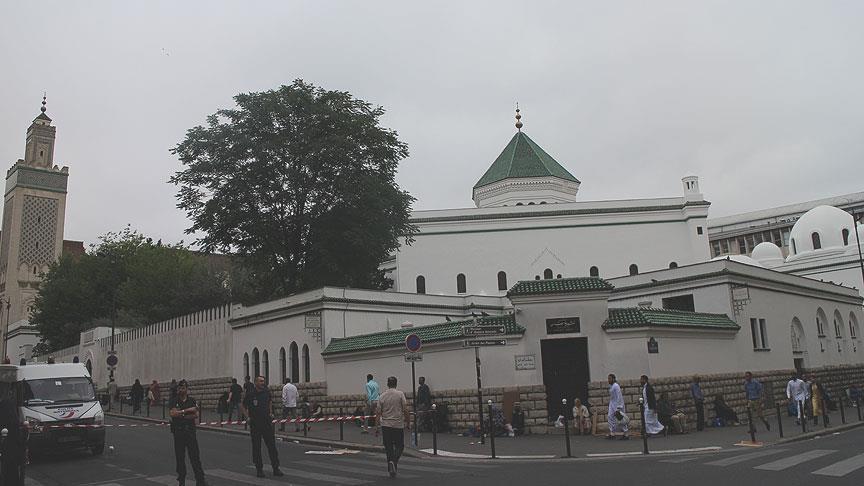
(523,158)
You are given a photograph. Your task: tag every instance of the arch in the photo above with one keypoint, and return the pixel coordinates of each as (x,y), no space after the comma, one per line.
(547,274)
(536,277)
(502,280)
(421,284)
(838,325)
(460,284)
(845,234)
(294,356)
(854,331)
(306,371)
(634,269)
(256,362)
(794,247)
(282,366)
(245,364)
(817,241)
(799,344)
(89,366)
(594,272)
(265,368)
(558,276)
(673,264)
(821,319)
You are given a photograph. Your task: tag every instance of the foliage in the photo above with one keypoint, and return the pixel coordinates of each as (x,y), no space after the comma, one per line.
(300,182)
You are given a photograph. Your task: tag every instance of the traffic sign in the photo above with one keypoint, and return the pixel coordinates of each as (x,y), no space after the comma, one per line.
(483,330)
(412,357)
(473,343)
(413,343)
(112,360)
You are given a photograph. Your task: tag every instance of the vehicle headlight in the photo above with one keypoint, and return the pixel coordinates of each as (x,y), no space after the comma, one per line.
(99,419)
(34,424)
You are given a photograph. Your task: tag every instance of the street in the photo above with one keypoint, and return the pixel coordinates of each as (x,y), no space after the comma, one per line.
(144,456)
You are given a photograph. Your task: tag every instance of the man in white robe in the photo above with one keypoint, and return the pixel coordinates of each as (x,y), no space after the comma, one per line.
(652,422)
(616,404)
(796,390)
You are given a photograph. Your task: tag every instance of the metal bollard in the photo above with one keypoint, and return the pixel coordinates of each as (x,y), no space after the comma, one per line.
(566,426)
(752,427)
(148,408)
(121,405)
(779,421)
(824,415)
(434,430)
(341,424)
(858,406)
(200,415)
(802,416)
(305,428)
(644,431)
(221,419)
(842,409)
(491,430)
(163,408)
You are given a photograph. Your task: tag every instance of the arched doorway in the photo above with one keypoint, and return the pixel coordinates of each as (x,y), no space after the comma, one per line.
(799,344)
(294,353)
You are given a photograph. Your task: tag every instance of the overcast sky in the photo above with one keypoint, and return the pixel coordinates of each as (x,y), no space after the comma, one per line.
(762,100)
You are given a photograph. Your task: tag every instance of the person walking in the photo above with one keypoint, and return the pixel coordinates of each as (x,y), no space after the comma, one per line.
(649,398)
(796,390)
(184,415)
(257,407)
(154,393)
(424,404)
(289,404)
(372,394)
(699,402)
(137,395)
(754,393)
(235,396)
(393,418)
(616,410)
(817,398)
(248,386)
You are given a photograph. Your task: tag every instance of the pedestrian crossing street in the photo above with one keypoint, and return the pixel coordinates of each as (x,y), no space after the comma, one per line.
(782,459)
(352,470)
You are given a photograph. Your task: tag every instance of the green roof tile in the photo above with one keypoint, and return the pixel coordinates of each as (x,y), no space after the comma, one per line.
(559,286)
(523,158)
(428,334)
(634,317)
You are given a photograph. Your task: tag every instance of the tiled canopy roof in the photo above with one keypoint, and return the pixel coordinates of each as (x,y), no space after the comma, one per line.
(523,158)
(559,286)
(428,334)
(634,317)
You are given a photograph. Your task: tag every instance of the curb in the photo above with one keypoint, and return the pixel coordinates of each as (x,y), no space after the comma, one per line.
(820,433)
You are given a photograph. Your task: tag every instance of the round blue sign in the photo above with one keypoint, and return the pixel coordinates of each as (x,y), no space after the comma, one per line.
(112,360)
(413,343)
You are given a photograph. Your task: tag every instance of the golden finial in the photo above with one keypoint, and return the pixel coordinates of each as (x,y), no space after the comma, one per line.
(518,118)
(44,97)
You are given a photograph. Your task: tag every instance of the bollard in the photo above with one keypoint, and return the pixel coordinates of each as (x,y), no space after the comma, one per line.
(148,408)
(644,432)
(305,428)
(121,405)
(858,406)
(566,426)
(779,421)
(802,417)
(491,430)
(752,427)
(221,419)
(341,424)
(824,415)
(434,430)
(163,408)
(200,415)
(842,409)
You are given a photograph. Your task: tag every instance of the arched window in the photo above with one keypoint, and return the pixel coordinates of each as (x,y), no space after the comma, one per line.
(594,272)
(518,204)
(673,265)
(256,362)
(294,354)
(853,326)
(531,203)
(634,269)
(558,276)
(502,280)
(265,370)
(794,248)
(838,325)
(421,284)
(547,274)
(306,373)
(89,364)
(817,243)
(821,318)
(460,283)
(536,277)
(282,366)
(845,237)
(245,364)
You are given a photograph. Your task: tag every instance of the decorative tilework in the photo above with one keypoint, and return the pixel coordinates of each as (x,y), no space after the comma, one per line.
(38,230)
(7,233)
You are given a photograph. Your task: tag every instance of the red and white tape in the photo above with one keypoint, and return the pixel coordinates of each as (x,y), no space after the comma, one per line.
(339,418)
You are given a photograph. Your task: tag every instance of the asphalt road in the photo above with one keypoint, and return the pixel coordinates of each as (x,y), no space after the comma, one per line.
(144,456)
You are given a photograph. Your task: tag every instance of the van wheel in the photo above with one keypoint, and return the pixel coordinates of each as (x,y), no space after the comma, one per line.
(98,449)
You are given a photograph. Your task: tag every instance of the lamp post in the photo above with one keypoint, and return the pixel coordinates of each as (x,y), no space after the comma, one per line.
(858,242)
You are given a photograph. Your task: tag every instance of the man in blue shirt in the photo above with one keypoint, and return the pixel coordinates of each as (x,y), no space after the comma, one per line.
(753,392)
(258,407)
(699,401)
(372,394)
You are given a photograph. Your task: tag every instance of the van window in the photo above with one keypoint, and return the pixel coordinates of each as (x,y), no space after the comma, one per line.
(55,390)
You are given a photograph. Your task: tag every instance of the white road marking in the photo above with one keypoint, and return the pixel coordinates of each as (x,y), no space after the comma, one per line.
(317,476)
(168,480)
(406,467)
(842,468)
(680,460)
(745,457)
(31,482)
(380,472)
(795,460)
(244,478)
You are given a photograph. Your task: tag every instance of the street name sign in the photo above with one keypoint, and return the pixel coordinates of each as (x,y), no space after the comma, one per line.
(473,343)
(483,330)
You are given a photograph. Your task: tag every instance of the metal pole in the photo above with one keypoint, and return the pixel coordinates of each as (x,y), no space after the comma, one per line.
(414,402)
(857,240)
(434,429)
(644,432)
(479,393)
(824,414)
(779,421)
(121,403)
(858,406)
(566,426)
(491,430)
(341,424)
(842,408)
(163,408)
(148,408)
(802,416)
(752,427)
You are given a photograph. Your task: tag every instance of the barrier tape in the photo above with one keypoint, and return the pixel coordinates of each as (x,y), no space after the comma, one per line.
(338,418)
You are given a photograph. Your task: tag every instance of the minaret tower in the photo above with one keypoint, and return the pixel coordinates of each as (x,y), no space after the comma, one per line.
(34,211)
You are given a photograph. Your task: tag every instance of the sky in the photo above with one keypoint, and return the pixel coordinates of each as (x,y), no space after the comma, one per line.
(762,100)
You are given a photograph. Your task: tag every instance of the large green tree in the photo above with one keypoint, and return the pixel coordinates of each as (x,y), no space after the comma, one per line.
(128,279)
(300,182)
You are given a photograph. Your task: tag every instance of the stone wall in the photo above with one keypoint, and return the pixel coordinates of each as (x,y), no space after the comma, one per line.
(835,378)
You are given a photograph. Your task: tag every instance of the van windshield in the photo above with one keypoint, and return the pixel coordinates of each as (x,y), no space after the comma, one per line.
(54,390)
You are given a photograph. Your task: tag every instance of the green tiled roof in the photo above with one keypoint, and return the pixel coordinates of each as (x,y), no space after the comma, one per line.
(559,286)
(632,317)
(523,158)
(428,334)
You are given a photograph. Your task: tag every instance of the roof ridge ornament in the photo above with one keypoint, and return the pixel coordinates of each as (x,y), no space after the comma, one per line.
(44,102)
(518,118)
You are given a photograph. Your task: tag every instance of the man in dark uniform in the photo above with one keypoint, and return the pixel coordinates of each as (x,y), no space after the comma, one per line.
(14,445)
(258,409)
(184,415)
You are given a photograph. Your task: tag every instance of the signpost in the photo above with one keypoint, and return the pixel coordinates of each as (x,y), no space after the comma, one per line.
(482,330)
(472,343)
(413,344)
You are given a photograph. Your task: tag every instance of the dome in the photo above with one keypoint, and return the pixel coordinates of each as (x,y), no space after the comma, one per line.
(746,260)
(818,230)
(853,242)
(768,254)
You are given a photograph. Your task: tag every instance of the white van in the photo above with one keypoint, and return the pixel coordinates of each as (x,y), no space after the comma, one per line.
(51,398)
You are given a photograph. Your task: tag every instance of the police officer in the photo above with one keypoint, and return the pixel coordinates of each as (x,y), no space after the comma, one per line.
(13,449)
(184,414)
(258,409)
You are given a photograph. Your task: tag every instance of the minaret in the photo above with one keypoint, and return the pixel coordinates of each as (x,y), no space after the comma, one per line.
(34,211)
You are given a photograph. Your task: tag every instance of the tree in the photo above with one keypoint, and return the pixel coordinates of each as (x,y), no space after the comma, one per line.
(300,182)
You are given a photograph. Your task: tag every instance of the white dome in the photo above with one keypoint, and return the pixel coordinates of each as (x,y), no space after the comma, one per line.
(768,254)
(746,260)
(822,225)
(853,242)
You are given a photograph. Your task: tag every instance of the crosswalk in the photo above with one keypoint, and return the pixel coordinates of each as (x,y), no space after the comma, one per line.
(782,459)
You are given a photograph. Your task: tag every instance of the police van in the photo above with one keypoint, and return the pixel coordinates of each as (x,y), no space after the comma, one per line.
(58,404)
